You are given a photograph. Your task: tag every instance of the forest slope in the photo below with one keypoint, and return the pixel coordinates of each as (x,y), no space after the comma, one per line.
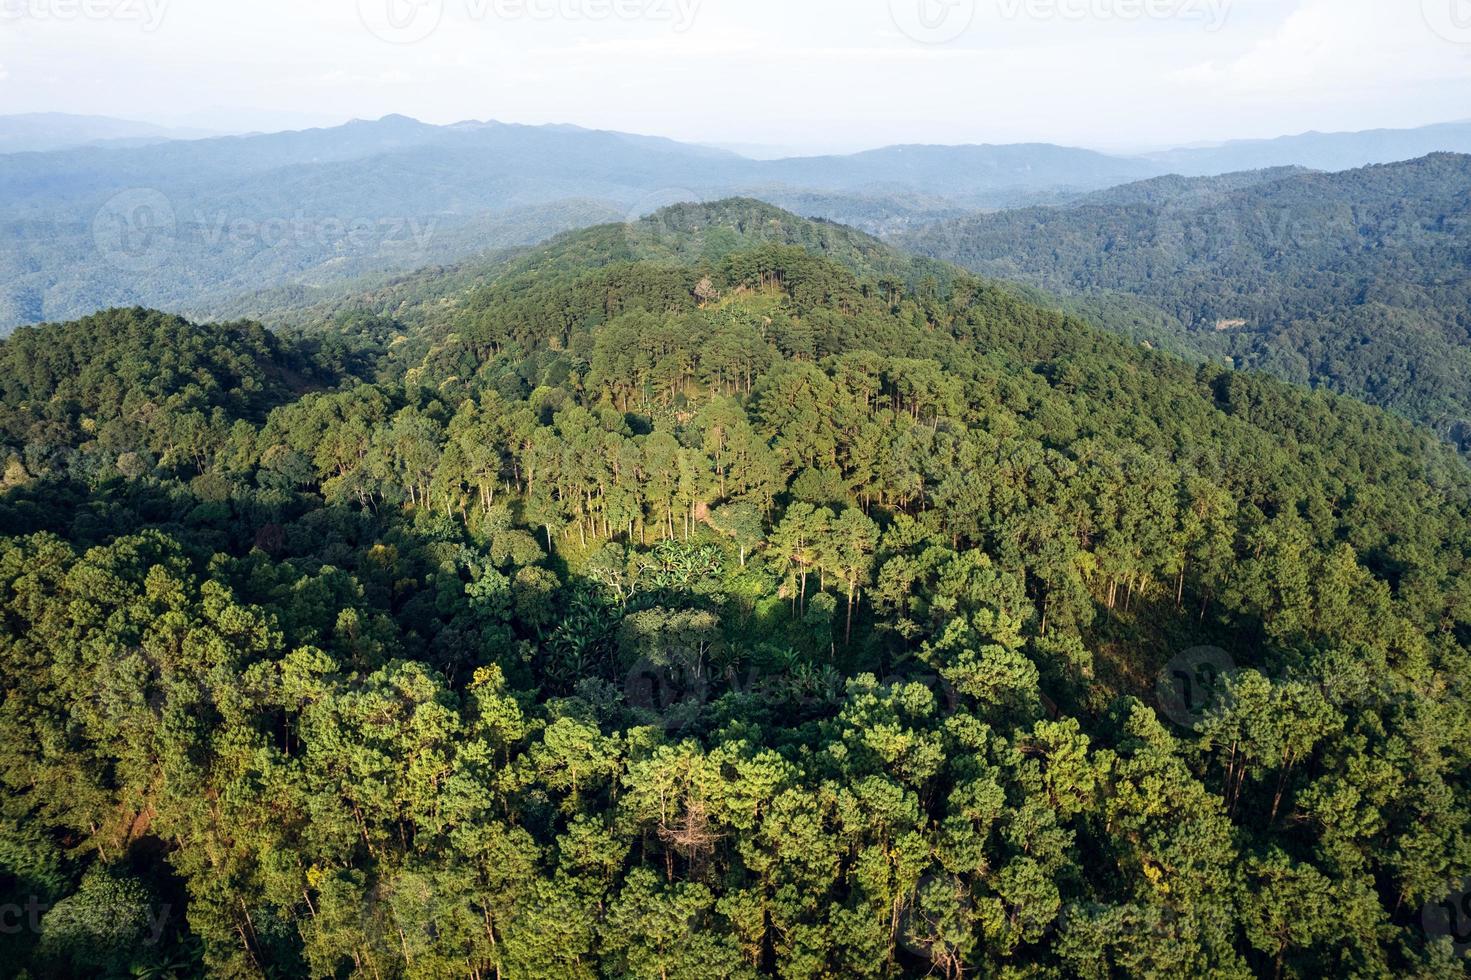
(729,614)
(1358,281)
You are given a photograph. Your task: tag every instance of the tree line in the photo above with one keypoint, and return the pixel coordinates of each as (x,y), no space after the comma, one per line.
(731,614)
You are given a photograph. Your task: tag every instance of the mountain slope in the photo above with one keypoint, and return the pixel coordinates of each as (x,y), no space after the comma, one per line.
(1177,191)
(1356,281)
(962,171)
(671,237)
(725,614)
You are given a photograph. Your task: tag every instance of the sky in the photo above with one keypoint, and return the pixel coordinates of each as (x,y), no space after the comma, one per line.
(780,75)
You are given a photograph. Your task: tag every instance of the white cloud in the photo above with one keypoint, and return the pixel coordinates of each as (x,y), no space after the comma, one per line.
(1329,44)
(820,73)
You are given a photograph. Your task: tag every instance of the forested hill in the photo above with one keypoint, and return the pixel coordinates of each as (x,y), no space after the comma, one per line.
(725,615)
(674,236)
(122,376)
(238,367)
(1353,281)
(692,232)
(1175,191)
(179,223)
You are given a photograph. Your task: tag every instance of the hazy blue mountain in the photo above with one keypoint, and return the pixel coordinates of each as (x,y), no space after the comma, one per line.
(180,223)
(1319,151)
(45,131)
(460,161)
(962,171)
(175,224)
(45,180)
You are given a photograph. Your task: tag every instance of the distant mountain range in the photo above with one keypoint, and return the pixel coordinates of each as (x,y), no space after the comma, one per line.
(45,131)
(1318,151)
(468,165)
(176,223)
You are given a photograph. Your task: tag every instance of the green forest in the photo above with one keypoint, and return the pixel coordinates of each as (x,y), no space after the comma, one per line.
(721,595)
(1354,281)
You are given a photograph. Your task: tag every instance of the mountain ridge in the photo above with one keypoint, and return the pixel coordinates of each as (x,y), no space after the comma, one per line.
(1356,280)
(37,132)
(468,188)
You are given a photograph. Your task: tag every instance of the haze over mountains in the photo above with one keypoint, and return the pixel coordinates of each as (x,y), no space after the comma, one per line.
(526,164)
(183,224)
(43,131)
(320,205)
(1318,151)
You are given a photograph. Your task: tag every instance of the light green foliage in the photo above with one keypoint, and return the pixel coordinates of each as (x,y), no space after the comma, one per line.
(726,616)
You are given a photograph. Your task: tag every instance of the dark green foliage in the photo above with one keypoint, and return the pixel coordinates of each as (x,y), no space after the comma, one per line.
(1353,281)
(732,615)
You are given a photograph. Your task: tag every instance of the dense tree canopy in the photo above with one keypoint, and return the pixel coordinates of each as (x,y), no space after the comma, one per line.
(1355,281)
(730,614)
